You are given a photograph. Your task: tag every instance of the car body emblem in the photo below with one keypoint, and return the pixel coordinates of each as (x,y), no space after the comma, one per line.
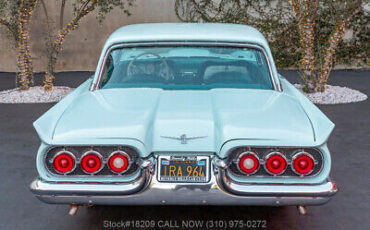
(183,138)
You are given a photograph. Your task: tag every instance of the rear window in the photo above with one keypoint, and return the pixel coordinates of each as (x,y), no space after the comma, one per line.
(186,68)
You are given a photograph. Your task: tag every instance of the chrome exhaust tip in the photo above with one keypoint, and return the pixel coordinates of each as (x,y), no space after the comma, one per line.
(302,210)
(73,209)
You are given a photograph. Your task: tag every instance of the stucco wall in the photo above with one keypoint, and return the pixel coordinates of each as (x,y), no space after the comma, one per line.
(83,46)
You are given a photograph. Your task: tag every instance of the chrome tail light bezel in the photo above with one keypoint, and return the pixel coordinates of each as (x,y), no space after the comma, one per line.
(243,155)
(271,154)
(303,153)
(71,155)
(100,157)
(129,162)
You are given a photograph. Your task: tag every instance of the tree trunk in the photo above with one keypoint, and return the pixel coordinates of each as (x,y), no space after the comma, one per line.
(308,56)
(24,78)
(58,42)
(335,39)
(304,13)
(55,48)
(49,74)
(48,80)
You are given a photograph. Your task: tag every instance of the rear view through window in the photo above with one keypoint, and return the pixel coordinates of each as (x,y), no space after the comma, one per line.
(186,67)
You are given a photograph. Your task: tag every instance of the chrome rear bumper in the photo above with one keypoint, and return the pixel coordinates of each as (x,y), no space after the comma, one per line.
(146,190)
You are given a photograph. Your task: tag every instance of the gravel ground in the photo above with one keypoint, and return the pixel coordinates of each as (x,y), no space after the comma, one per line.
(35,94)
(334,95)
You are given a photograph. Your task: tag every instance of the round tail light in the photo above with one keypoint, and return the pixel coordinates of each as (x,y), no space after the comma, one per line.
(91,162)
(248,163)
(275,163)
(118,162)
(303,163)
(64,162)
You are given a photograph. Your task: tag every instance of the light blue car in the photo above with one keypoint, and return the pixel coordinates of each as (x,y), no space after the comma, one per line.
(184,114)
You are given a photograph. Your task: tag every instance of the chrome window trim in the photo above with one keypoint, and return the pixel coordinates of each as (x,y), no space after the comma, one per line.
(305,154)
(124,154)
(248,153)
(97,84)
(98,155)
(69,153)
(271,154)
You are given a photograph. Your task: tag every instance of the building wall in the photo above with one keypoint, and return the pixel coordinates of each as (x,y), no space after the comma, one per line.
(81,47)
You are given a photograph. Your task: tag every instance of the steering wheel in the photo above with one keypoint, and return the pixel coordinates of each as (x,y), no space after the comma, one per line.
(164,62)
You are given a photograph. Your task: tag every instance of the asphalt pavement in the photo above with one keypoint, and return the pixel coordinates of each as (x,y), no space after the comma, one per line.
(349,144)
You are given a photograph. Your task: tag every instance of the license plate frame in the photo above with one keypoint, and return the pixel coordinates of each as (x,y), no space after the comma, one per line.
(199,159)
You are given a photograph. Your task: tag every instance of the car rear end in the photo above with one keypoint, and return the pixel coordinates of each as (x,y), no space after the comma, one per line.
(117,175)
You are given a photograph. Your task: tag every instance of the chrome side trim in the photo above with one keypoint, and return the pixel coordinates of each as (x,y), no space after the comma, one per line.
(96,86)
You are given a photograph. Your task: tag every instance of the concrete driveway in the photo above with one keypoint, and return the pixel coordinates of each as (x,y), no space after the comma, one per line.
(349,144)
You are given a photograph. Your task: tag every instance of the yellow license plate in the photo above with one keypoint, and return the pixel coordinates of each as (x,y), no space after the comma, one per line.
(183,169)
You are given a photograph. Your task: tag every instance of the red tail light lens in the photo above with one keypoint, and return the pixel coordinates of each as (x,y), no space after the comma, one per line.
(91,162)
(248,163)
(118,162)
(303,163)
(275,163)
(64,162)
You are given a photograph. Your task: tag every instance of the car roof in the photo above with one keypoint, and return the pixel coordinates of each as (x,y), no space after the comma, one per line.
(218,32)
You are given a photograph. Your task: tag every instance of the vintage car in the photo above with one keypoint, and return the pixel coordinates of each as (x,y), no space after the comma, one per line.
(184,114)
